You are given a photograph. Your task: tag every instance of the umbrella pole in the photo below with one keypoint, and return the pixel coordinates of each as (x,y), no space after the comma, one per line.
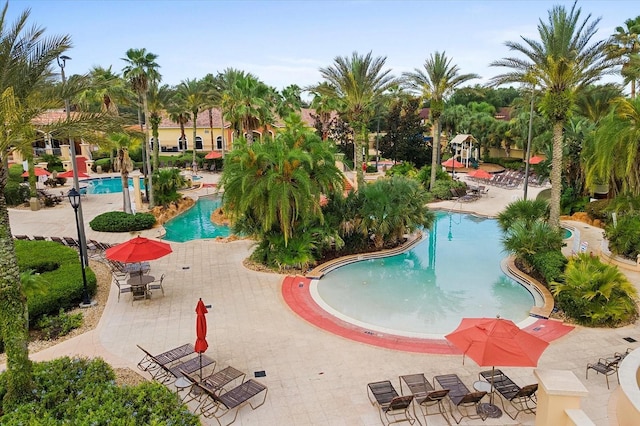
(493,371)
(200,366)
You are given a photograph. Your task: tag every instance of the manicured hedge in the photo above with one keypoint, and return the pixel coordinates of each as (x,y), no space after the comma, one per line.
(122,222)
(59,269)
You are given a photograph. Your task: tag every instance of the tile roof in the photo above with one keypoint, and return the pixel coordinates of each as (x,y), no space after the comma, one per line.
(203,120)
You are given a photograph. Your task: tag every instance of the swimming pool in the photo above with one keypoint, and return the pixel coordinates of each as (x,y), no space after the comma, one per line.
(453,273)
(107,185)
(196,223)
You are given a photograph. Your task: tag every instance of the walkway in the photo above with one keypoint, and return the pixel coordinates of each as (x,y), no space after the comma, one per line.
(314,377)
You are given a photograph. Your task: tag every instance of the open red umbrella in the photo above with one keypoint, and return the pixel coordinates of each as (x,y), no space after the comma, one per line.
(69,174)
(213,155)
(496,341)
(201,331)
(452,162)
(138,249)
(39,171)
(480,174)
(536,160)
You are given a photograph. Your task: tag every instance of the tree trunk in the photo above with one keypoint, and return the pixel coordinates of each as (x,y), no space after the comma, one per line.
(435,152)
(146,142)
(358,147)
(14,322)
(556,175)
(211,129)
(156,148)
(193,163)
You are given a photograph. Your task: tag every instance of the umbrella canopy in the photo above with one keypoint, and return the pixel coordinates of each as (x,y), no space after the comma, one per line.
(39,171)
(497,342)
(213,155)
(201,328)
(138,249)
(452,162)
(480,174)
(69,174)
(536,160)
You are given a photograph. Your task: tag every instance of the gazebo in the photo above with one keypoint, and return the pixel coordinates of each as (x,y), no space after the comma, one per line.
(462,146)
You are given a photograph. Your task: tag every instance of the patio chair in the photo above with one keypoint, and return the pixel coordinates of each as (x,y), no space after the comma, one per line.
(21,237)
(392,408)
(215,382)
(606,366)
(219,406)
(57,240)
(157,285)
(152,363)
(425,396)
(71,242)
(122,285)
(523,399)
(39,238)
(465,402)
(169,373)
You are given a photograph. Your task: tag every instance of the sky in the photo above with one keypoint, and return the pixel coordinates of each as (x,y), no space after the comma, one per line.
(287,42)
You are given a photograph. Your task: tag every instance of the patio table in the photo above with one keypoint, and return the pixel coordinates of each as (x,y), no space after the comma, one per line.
(139,285)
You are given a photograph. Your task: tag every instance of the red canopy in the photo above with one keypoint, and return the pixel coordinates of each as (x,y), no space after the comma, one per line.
(69,174)
(452,162)
(201,327)
(480,174)
(213,155)
(138,249)
(39,171)
(536,160)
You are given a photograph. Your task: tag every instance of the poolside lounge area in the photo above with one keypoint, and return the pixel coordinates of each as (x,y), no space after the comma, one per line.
(314,377)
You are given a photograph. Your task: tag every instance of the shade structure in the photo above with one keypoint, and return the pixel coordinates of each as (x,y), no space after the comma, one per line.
(480,174)
(201,331)
(39,171)
(452,162)
(536,160)
(213,155)
(69,174)
(138,249)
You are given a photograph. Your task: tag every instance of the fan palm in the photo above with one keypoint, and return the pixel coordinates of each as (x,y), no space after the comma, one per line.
(193,97)
(159,99)
(562,63)
(438,80)
(246,103)
(528,211)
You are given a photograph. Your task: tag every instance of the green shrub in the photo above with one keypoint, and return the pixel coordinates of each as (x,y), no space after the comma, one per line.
(15,173)
(104,163)
(598,209)
(53,162)
(549,264)
(53,327)
(624,237)
(442,189)
(16,194)
(166,183)
(122,222)
(83,392)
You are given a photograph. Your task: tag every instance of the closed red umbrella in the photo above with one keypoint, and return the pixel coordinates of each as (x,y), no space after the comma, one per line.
(138,249)
(452,162)
(201,331)
(213,155)
(39,171)
(69,174)
(536,160)
(480,174)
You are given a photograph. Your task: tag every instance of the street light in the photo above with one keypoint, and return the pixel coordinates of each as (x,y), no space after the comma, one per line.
(453,156)
(74,199)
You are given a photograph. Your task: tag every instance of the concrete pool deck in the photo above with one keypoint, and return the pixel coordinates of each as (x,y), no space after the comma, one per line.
(314,377)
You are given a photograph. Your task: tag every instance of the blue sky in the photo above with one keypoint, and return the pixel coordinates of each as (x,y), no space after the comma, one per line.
(286,42)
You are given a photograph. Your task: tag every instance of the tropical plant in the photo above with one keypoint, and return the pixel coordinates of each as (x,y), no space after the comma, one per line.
(140,70)
(624,236)
(596,294)
(438,80)
(122,142)
(358,81)
(529,211)
(325,105)
(525,241)
(562,63)
(247,104)
(625,43)
(160,98)
(194,99)
(168,182)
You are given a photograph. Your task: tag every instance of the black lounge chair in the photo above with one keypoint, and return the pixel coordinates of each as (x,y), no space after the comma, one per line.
(465,402)
(39,238)
(57,240)
(71,242)
(523,399)
(393,407)
(152,363)
(215,382)
(218,406)
(607,366)
(425,396)
(21,237)
(170,373)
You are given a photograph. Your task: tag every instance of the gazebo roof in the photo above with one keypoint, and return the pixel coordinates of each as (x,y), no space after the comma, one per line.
(459,139)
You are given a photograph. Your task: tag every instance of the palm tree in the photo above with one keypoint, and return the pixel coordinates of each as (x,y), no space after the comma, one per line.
(107,91)
(246,103)
(438,80)
(324,104)
(528,211)
(26,56)
(193,96)
(159,99)
(122,142)
(141,70)
(214,97)
(358,81)
(624,44)
(562,63)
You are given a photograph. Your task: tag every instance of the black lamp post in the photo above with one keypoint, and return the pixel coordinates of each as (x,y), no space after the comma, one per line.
(74,199)
(453,156)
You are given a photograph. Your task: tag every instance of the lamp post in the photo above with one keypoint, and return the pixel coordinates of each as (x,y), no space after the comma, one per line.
(453,164)
(82,240)
(74,199)
(526,167)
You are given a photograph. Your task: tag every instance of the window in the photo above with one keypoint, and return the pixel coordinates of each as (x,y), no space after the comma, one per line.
(182,144)
(219,143)
(198,142)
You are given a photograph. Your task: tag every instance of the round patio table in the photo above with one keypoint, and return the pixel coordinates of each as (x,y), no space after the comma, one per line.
(487,408)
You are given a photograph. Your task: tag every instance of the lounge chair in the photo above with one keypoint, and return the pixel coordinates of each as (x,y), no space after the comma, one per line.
(157,285)
(57,240)
(169,373)
(21,237)
(523,399)
(392,408)
(152,362)
(425,396)
(218,406)
(39,238)
(607,366)
(465,402)
(71,242)
(215,382)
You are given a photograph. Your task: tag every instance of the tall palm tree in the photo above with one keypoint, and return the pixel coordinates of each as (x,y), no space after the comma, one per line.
(122,142)
(625,43)
(141,69)
(324,103)
(159,99)
(436,82)
(562,63)
(106,92)
(211,87)
(193,95)
(247,104)
(358,81)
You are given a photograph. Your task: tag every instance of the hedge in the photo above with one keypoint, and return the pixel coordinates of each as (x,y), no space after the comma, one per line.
(122,222)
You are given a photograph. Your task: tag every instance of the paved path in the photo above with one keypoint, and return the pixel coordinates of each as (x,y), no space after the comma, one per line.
(314,377)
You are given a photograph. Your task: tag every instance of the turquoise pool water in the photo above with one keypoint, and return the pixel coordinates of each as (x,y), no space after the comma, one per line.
(195,223)
(107,185)
(453,273)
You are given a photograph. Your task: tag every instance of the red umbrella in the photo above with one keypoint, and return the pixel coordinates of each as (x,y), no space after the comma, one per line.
(536,160)
(69,174)
(213,155)
(138,249)
(496,341)
(452,162)
(39,171)
(480,174)
(201,331)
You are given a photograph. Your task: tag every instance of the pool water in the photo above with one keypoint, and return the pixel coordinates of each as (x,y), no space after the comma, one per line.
(195,223)
(453,273)
(107,185)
